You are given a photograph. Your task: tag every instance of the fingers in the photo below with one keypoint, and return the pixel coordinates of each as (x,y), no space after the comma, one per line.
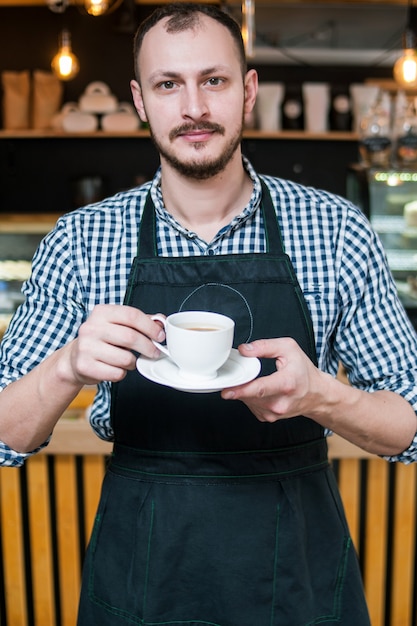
(108,363)
(280,394)
(109,341)
(124,327)
(269,348)
(260,388)
(266,397)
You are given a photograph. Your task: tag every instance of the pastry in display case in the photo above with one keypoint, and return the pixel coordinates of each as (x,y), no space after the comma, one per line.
(389,199)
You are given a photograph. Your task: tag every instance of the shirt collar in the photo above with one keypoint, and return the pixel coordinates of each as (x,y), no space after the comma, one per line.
(237,222)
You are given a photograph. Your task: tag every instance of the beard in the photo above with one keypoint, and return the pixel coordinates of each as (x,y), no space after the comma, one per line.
(199,169)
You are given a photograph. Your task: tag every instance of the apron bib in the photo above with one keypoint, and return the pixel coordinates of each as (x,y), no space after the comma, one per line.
(208,516)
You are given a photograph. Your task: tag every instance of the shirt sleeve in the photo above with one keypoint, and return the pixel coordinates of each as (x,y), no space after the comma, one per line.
(375,339)
(49,318)
(11,458)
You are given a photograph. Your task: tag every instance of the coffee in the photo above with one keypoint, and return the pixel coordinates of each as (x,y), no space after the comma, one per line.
(201,329)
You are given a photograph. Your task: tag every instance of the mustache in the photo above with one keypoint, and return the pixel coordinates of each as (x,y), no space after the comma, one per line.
(186,128)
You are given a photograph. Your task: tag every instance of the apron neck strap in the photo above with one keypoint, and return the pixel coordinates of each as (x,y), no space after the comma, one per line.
(147,244)
(273,237)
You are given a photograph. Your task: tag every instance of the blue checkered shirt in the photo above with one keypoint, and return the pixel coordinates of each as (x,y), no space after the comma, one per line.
(338,259)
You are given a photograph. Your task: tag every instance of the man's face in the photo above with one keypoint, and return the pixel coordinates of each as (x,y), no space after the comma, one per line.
(192,94)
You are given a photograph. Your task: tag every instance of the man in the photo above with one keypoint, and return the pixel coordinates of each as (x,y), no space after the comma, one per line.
(216,508)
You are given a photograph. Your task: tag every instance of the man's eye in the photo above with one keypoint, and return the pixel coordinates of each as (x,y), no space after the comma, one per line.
(215,81)
(168,84)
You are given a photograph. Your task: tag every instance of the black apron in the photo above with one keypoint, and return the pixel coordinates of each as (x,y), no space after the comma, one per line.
(208,516)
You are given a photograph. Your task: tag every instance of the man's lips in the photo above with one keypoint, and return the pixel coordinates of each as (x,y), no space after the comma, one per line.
(196,132)
(197,135)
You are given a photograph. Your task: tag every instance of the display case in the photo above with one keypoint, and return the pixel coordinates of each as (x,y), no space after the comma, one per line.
(20,235)
(389,199)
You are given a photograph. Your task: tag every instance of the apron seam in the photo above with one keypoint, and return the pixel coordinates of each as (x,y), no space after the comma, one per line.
(239,477)
(339,588)
(148,558)
(274,584)
(226,453)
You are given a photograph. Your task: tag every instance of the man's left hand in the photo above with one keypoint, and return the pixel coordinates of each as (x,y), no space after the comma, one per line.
(290,391)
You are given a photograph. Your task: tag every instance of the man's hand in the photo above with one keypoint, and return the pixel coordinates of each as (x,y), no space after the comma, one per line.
(103,350)
(106,342)
(289,391)
(381,422)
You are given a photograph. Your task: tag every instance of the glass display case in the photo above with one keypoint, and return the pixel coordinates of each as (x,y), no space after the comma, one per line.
(389,199)
(20,235)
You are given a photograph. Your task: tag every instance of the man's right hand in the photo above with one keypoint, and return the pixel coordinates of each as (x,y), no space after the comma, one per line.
(104,350)
(107,341)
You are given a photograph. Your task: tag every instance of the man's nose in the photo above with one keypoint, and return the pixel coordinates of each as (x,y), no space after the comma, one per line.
(194,103)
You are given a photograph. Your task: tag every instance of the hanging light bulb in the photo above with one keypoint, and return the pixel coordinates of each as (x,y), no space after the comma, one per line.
(65,64)
(248,26)
(96,7)
(92,7)
(101,7)
(405,68)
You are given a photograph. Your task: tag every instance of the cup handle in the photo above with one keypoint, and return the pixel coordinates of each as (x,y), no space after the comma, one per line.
(160,318)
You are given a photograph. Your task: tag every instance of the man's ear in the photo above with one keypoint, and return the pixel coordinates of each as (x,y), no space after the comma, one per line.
(138,100)
(251,89)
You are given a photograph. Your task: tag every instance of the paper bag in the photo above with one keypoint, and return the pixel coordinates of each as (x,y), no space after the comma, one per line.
(47,98)
(16,99)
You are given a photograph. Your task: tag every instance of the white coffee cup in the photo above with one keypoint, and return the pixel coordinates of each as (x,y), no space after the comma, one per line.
(198,342)
(316,98)
(268,106)
(363,98)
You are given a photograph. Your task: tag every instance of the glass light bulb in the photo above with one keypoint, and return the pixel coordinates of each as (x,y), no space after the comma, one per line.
(65,64)
(405,69)
(96,7)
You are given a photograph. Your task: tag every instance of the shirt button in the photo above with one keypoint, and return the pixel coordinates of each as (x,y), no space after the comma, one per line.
(210,252)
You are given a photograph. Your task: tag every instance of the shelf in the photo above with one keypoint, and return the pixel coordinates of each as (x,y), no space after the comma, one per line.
(52,134)
(144,134)
(27,223)
(302,135)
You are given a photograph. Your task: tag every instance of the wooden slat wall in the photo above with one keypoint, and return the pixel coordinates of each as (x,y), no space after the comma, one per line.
(47,510)
(404,547)
(12,548)
(40,533)
(68,536)
(375,547)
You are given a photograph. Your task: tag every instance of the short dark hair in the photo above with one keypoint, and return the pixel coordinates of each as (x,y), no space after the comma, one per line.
(183,16)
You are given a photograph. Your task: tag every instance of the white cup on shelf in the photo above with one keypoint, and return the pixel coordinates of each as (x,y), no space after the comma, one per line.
(316,97)
(268,106)
(363,98)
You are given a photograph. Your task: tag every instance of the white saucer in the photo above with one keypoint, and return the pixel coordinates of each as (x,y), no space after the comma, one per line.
(236,371)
